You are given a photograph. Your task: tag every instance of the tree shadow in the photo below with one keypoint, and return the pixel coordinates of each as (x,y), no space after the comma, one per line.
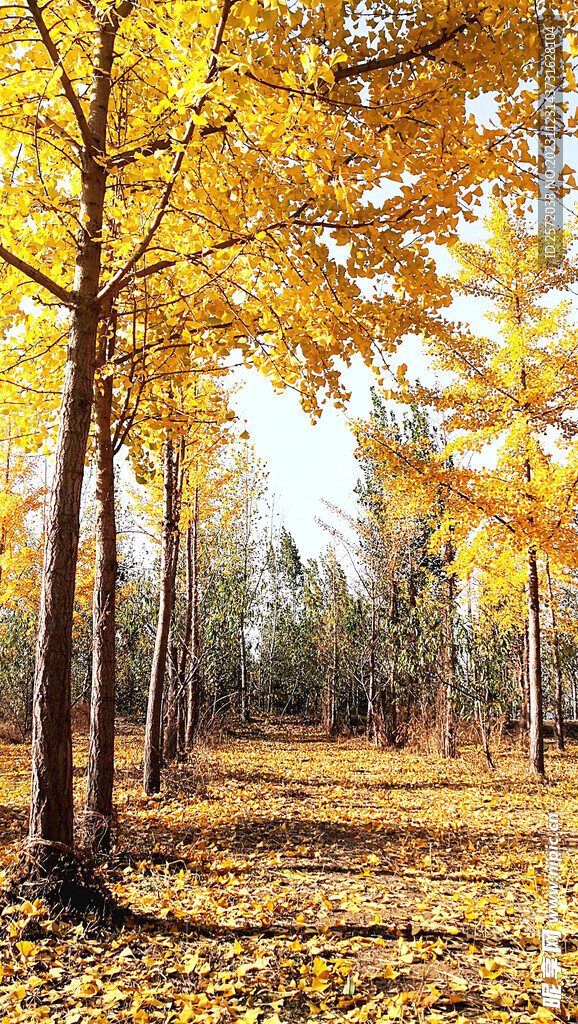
(13,824)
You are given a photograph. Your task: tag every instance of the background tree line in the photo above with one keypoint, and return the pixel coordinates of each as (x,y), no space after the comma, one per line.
(356,639)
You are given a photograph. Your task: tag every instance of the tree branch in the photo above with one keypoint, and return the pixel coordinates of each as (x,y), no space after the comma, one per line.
(116,282)
(128,156)
(201,254)
(65,296)
(56,59)
(443,483)
(378,64)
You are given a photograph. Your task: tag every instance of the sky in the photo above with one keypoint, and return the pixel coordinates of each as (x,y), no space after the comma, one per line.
(309,464)
(312,463)
(306,462)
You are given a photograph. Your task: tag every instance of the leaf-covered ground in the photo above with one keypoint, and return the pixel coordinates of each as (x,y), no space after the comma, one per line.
(282,877)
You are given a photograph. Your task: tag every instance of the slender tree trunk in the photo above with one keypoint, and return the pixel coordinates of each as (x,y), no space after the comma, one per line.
(524,724)
(535,670)
(536,728)
(153,730)
(183,686)
(101,746)
(385,716)
(447,726)
(558,715)
(170,738)
(243,669)
(390,707)
(484,734)
(3,534)
(194,685)
(51,833)
(331,690)
(181,722)
(371,680)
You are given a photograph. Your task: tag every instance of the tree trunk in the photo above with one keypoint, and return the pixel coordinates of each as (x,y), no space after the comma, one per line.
(330,711)
(535,670)
(385,717)
(371,680)
(447,727)
(101,746)
(243,668)
(558,716)
(524,691)
(51,833)
(194,684)
(170,739)
(153,730)
(183,684)
(484,735)
(3,534)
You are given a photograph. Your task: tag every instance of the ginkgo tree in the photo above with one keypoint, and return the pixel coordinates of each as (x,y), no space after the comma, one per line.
(191,442)
(511,399)
(262,129)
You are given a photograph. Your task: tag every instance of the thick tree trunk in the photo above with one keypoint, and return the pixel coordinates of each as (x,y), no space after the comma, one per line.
(558,715)
(153,730)
(535,670)
(101,746)
(51,802)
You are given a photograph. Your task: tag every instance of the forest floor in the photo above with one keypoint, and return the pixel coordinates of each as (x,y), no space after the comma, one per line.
(282,877)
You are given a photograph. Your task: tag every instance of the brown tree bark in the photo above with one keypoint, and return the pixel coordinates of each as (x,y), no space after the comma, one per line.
(385,715)
(447,726)
(170,739)
(371,694)
(100,775)
(558,715)
(535,670)
(3,535)
(330,708)
(194,680)
(183,660)
(524,690)
(245,713)
(51,833)
(153,730)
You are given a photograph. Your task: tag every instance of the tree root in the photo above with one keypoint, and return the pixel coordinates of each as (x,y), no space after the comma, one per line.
(65,881)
